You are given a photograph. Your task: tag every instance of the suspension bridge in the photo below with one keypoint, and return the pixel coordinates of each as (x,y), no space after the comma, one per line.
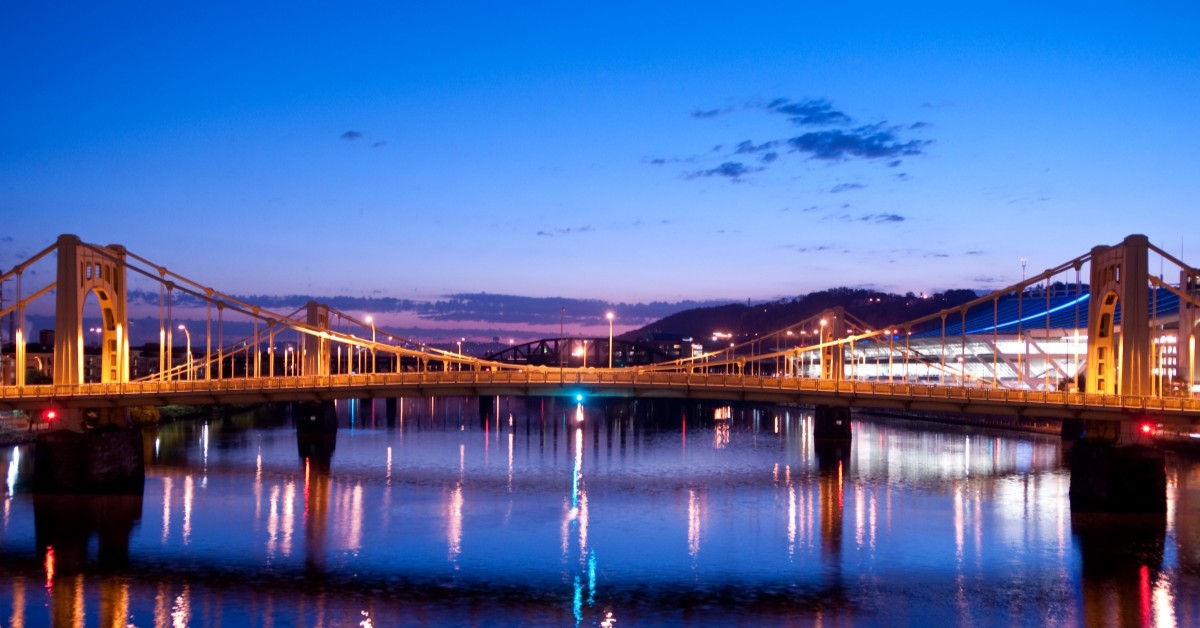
(1128,356)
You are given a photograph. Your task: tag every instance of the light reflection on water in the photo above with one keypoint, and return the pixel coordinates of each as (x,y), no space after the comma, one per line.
(674,515)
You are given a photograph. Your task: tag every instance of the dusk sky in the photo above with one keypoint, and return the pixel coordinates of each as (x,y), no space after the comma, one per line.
(623,152)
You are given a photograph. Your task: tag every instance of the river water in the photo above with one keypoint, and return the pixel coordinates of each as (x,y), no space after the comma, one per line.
(565,514)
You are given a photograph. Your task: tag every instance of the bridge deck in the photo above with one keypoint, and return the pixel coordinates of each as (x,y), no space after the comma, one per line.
(608,383)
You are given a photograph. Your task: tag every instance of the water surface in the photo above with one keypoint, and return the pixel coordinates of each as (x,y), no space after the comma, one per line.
(562,514)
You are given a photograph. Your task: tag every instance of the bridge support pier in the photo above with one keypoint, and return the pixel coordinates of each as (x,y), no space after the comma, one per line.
(832,423)
(488,407)
(316,418)
(1108,477)
(96,461)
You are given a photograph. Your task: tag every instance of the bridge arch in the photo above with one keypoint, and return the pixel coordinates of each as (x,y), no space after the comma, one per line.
(83,271)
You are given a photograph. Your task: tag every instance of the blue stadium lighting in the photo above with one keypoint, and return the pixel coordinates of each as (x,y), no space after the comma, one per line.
(1034,316)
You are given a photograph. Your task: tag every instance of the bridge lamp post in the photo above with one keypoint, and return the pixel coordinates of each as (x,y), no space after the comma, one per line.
(609,316)
(460,341)
(286,357)
(187,334)
(371,320)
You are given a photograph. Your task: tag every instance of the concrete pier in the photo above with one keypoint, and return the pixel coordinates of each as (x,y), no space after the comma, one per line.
(97,461)
(1110,478)
(832,422)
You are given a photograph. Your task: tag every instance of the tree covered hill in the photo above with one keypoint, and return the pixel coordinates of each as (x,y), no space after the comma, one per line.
(745,321)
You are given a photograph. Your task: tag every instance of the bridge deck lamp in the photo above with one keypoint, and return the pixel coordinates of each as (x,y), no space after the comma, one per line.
(609,316)
(371,321)
(188,335)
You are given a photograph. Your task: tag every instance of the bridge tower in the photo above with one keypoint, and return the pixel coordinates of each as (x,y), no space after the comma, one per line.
(1189,317)
(81,270)
(833,357)
(316,349)
(1120,275)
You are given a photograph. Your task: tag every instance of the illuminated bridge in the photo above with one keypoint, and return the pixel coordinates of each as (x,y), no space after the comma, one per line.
(1119,349)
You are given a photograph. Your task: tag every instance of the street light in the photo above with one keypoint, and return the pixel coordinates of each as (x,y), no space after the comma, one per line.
(371,320)
(609,316)
(188,334)
(460,341)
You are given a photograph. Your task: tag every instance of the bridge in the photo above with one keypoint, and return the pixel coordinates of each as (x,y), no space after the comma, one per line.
(1130,359)
(1110,361)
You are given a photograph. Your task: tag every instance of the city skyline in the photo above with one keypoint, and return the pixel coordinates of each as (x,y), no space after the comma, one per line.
(665,154)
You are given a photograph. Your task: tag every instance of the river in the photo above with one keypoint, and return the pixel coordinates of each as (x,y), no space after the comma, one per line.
(619,514)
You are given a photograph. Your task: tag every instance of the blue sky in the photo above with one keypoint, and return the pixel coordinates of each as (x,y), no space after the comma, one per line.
(616,151)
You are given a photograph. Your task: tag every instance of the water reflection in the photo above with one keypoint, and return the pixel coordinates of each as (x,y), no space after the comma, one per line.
(535,517)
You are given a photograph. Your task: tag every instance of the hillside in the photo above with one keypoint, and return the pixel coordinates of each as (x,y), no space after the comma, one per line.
(746,321)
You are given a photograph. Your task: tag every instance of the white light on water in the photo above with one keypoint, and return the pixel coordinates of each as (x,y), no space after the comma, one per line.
(12,470)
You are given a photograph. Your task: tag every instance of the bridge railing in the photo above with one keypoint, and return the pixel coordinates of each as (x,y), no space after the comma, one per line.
(544,380)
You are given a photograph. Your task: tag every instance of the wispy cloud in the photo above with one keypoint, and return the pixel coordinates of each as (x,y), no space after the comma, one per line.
(843,139)
(846,187)
(561,231)
(710,113)
(749,148)
(881,218)
(809,112)
(867,142)
(354,136)
(732,170)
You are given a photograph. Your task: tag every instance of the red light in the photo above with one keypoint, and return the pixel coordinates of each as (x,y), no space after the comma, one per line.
(50,415)
(1146,428)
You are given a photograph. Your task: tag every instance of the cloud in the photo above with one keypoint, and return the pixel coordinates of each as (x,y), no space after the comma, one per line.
(844,140)
(379,144)
(750,148)
(351,136)
(881,218)
(733,170)
(846,187)
(809,112)
(867,142)
(808,249)
(565,231)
